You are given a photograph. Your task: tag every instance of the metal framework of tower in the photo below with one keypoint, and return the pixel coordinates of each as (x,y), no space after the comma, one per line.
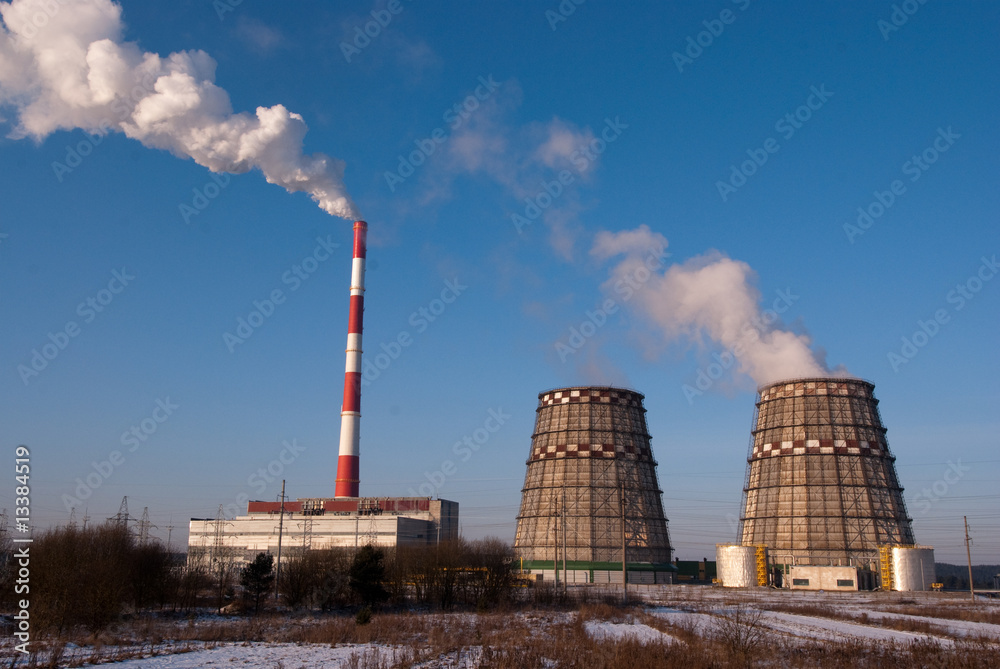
(591,445)
(821,485)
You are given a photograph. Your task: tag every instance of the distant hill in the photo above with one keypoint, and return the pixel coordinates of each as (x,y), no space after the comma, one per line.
(956,577)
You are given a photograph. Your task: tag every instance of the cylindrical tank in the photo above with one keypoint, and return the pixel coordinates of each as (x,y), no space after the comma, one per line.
(589,445)
(821,482)
(912,568)
(736,565)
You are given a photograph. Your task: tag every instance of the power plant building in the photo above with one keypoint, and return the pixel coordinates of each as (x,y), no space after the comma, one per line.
(322,523)
(821,486)
(591,492)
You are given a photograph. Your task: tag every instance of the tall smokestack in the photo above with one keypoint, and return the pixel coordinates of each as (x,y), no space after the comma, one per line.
(350,414)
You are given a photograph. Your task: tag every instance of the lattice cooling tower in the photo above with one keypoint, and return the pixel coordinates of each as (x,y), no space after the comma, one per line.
(821,483)
(588,443)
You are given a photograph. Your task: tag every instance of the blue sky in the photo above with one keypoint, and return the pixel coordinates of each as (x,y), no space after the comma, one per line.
(539,147)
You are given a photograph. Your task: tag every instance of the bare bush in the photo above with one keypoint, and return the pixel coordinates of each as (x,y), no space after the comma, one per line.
(741,630)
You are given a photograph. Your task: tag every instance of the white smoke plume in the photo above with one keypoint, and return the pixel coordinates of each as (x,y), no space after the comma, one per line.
(709,296)
(63,66)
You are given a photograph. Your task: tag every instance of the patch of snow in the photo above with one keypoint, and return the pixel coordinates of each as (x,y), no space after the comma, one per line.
(828,629)
(601,630)
(699,623)
(962,628)
(261,656)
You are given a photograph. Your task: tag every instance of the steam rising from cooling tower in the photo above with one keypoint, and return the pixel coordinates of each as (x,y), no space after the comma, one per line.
(708,296)
(71,70)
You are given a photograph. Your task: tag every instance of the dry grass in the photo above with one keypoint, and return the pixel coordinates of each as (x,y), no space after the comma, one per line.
(987,614)
(883,621)
(553,634)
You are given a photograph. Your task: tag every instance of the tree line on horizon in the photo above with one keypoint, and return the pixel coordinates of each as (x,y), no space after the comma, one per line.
(94,576)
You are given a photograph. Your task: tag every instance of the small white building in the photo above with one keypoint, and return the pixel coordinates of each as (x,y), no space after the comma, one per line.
(829,578)
(321,523)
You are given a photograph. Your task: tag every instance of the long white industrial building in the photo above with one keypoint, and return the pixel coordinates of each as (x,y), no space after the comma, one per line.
(321,523)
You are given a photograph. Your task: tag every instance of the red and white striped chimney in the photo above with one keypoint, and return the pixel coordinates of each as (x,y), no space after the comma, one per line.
(350,414)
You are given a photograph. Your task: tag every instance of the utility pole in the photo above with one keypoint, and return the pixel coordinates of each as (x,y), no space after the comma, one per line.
(170,531)
(555,561)
(281,522)
(564,539)
(621,499)
(968,555)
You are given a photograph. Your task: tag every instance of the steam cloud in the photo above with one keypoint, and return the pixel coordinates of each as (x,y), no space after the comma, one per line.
(710,295)
(63,66)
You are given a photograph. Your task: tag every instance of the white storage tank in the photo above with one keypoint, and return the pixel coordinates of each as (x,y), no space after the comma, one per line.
(912,568)
(736,565)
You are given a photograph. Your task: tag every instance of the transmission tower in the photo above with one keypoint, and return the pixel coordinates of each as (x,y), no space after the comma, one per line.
(221,554)
(144,525)
(370,507)
(72,518)
(220,535)
(121,519)
(307,530)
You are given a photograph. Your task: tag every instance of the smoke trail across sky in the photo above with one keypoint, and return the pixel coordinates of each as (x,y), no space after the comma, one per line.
(711,296)
(63,66)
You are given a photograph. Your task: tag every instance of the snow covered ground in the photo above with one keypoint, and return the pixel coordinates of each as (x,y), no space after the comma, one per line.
(601,630)
(826,629)
(266,655)
(700,610)
(669,615)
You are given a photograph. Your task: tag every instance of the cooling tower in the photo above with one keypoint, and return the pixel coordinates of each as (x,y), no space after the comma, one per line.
(589,445)
(821,484)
